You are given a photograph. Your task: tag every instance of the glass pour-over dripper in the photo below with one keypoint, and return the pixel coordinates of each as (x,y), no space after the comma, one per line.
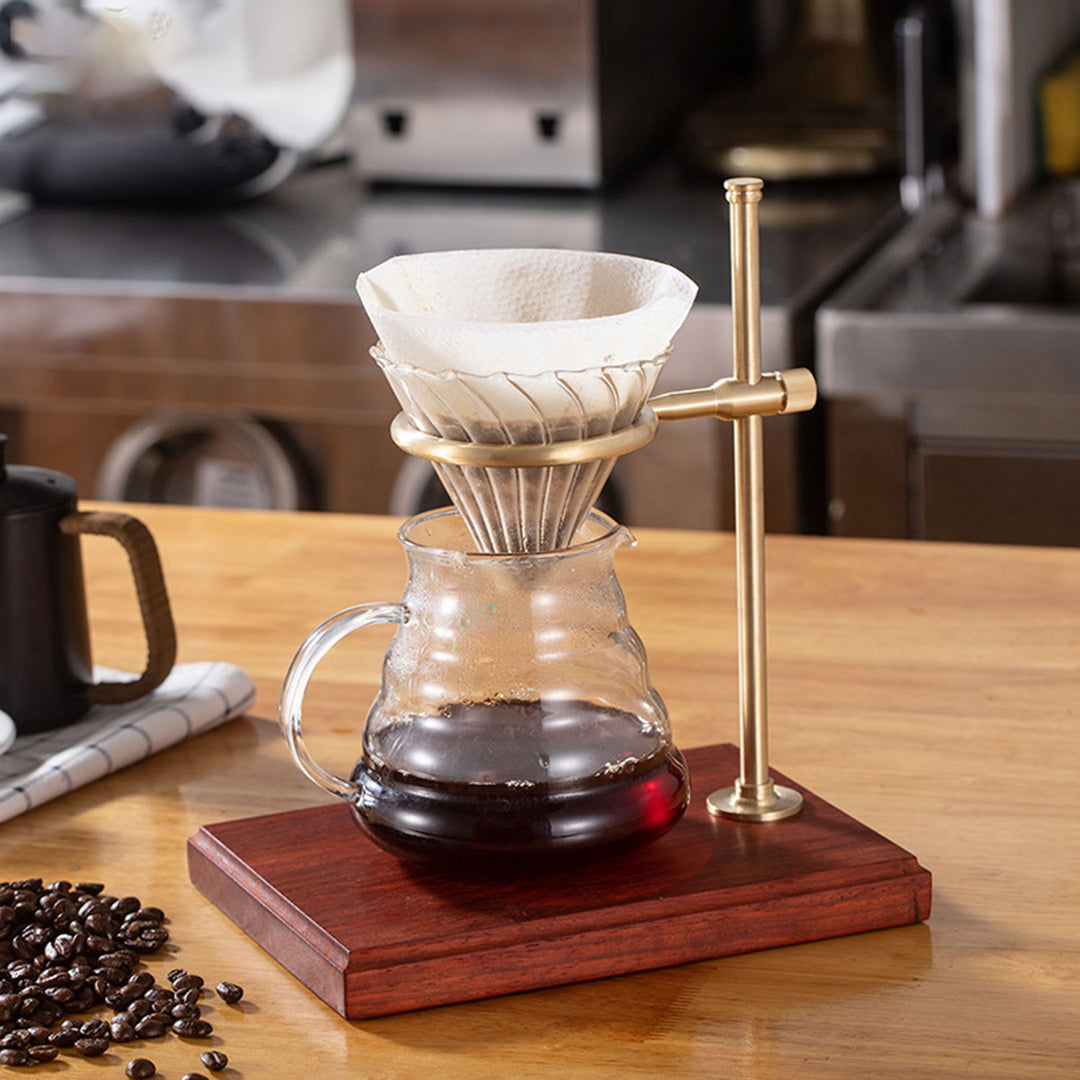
(515,347)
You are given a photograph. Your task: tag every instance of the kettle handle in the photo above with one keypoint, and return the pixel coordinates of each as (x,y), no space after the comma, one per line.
(321,640)
(157,619)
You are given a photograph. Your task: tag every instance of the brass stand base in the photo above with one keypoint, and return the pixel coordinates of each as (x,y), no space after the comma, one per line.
(741,802)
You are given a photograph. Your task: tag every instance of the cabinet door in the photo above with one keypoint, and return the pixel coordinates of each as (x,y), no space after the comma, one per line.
(1005,493)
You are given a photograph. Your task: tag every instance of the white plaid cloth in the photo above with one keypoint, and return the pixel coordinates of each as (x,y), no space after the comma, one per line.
(193,699)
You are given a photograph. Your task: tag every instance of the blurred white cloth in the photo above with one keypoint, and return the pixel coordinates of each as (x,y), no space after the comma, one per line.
(193,699)
(287,69)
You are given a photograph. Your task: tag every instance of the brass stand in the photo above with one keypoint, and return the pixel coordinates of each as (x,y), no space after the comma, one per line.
(744,399)
(754,796)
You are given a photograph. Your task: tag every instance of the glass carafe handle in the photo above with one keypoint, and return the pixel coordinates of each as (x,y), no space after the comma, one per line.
(319,643)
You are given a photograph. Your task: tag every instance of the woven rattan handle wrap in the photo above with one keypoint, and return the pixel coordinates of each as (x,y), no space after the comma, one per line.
(136,540)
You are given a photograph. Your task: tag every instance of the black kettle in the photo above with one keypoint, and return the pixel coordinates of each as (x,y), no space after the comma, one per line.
(46,674)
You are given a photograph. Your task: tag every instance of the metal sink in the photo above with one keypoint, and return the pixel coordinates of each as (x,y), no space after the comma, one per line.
(951,366)
(954,303)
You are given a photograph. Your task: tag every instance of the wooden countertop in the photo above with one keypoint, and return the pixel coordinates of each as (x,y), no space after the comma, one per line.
(931,691)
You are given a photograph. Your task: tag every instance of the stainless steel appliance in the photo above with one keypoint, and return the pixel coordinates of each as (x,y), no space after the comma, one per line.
(534,92)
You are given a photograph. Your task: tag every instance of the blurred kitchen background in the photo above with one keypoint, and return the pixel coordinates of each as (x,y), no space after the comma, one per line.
(190,187)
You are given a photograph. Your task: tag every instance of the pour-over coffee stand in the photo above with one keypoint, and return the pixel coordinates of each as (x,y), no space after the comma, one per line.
(744,399)
(373,936)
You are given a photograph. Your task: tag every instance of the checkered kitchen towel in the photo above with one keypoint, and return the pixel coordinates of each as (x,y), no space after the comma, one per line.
(193,699)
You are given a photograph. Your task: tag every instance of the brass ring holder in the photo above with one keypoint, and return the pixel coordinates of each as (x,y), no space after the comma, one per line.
(744,399)
(522,455)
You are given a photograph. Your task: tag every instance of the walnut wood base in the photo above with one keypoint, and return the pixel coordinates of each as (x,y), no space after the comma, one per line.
(372,937)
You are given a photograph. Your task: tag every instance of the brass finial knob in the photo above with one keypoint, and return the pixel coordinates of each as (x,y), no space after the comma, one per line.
(800,390)
(743,189)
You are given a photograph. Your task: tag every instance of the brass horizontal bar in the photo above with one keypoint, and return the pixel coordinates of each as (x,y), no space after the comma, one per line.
(775,392)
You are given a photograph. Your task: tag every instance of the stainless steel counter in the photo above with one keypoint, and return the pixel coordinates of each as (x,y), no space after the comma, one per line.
(309,239)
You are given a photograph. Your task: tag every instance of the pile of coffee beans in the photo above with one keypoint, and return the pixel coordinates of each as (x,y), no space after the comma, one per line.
(67,949)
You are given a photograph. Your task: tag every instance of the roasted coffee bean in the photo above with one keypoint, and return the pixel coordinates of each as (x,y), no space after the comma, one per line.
(61,949)
(49,1012)
(150,1029)
(42,1052)
(123,958)
(193,1076)
(92,1047)
(214,1060)
(121,1031)
(122,998)
(65,948)
(140,1068)
(20,970)
(96,945)
(54,976)
(60,995)
(14,1057)
(149,940)
(145,946)
(114,976)
(100,923)
(229,992)
(136,927)
(90,907)
(192,1029)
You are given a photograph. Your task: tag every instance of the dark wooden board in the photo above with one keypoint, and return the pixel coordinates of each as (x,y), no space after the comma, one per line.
(372,937)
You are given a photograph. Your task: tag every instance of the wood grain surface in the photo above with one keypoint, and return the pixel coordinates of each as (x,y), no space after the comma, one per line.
(930,691)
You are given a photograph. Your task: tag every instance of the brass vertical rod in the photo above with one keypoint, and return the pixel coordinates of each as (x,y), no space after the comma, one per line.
(749,487)
(754,797)
(750,577)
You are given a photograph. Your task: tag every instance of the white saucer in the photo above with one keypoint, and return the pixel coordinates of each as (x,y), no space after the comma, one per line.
(7,731)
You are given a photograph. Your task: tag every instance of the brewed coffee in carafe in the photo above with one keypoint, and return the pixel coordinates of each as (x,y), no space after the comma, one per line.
(515,718)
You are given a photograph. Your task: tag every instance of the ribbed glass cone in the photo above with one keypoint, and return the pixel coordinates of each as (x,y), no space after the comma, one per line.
(530,509)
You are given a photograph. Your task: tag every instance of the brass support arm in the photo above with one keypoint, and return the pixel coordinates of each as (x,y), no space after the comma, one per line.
(732,399)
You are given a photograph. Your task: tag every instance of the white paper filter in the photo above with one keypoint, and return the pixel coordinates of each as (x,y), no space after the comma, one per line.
(523,346)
